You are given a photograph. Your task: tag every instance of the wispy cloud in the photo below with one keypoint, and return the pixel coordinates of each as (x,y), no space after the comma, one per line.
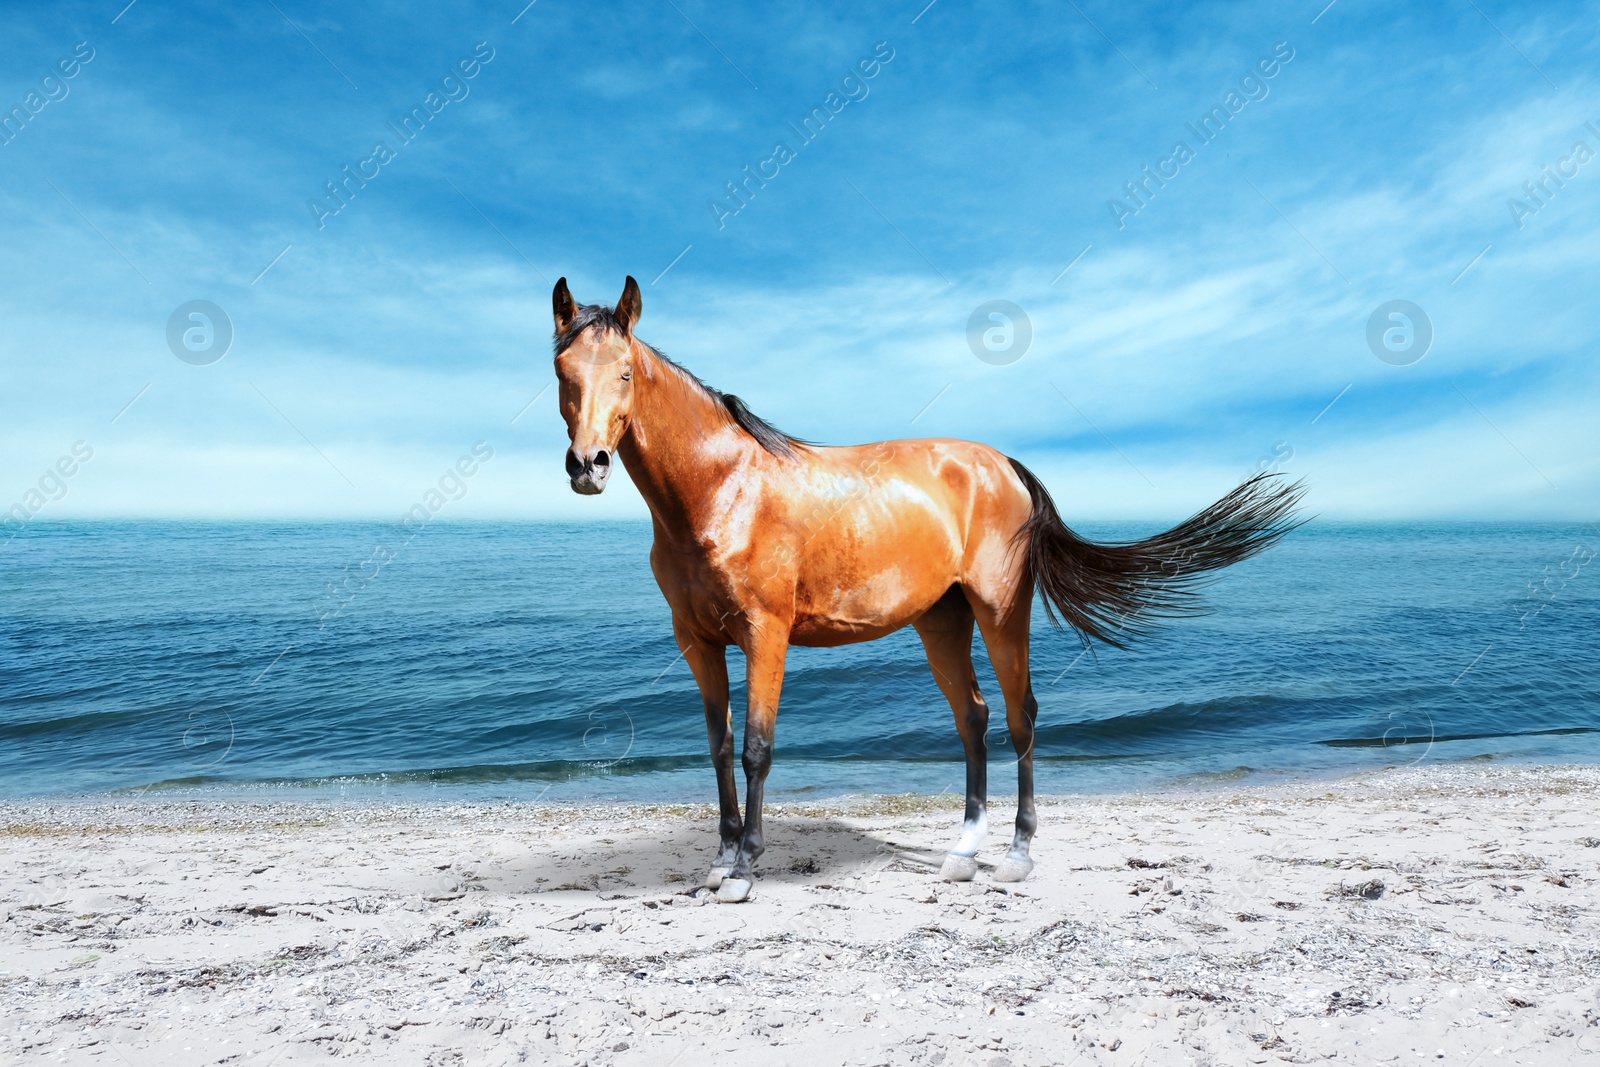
(1192,341)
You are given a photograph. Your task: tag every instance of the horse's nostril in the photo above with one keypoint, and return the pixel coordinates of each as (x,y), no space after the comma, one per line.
(602,458)
(574,467)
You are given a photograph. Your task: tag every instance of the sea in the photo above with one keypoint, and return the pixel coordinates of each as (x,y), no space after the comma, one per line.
(535,661)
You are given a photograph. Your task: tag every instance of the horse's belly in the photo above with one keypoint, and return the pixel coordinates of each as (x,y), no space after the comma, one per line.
(870,606)
(845,629)
(876,565)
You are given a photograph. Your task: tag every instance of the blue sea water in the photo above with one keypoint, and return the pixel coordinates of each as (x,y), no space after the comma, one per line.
(536,660)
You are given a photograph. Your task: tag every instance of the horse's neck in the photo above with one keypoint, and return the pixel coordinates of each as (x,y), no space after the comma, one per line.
(671,449)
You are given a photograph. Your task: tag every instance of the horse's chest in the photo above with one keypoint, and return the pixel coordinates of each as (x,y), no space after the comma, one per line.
(699,582)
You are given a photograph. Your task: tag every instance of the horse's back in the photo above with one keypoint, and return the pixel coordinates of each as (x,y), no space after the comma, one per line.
(969,487)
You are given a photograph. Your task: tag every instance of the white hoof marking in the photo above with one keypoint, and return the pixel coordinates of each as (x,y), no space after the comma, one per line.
(972,835)
(716,876)
(959,868)
(733,891)
(1013,869)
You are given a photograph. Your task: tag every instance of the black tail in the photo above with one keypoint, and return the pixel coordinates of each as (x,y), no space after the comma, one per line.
(1111,592)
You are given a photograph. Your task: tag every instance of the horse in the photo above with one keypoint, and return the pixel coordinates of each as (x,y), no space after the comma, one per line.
(763,541)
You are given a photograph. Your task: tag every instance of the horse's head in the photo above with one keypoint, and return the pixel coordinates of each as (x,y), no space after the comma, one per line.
(594,366)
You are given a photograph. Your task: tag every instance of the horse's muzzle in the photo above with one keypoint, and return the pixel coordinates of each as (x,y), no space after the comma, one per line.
(590,471)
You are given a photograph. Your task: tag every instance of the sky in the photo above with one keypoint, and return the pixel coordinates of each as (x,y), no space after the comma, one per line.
(1229,314)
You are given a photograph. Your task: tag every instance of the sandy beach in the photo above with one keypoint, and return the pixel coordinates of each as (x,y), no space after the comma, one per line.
(1432,914)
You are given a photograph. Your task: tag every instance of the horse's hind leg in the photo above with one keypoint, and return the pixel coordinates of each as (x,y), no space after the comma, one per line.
(710,666)
(946,632)
(1005,635)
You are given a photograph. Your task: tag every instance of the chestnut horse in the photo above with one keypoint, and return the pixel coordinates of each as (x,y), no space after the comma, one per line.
(763,541)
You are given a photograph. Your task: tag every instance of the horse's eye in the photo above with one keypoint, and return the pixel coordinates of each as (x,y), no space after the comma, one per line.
(627,375)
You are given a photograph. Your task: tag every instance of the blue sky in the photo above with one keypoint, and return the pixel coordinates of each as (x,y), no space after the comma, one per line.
(1209,332)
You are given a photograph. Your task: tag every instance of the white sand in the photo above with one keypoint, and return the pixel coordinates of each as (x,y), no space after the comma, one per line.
(1224,925)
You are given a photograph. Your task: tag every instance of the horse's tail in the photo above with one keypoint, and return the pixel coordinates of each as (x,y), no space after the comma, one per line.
(1115,591)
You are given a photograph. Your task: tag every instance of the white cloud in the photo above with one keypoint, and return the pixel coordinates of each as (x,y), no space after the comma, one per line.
(1192,343)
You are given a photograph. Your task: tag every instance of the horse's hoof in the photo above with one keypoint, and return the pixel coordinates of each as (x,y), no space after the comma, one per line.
(959,868)
(1013,869)
(733,890)
(716,876)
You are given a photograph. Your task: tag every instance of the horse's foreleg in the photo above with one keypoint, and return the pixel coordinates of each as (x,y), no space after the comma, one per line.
(765,652)
(710,666)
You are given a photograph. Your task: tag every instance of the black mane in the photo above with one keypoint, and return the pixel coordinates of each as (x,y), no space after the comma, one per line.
(767,435)
(586,316)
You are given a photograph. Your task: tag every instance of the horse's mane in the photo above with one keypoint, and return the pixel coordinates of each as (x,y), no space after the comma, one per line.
(767,435)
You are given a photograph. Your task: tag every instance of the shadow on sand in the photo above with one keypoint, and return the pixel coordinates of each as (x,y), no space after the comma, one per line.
(800,850)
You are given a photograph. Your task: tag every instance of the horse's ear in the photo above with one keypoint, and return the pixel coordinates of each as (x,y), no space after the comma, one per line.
(563,305)
(629,307)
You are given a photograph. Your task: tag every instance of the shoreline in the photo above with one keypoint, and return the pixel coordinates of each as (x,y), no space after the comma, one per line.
(1375,917)
(1143,776)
